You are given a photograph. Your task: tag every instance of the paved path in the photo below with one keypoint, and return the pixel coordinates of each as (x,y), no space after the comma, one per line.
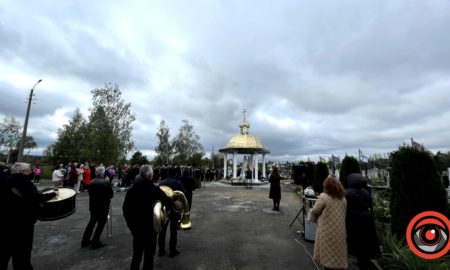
(232,228)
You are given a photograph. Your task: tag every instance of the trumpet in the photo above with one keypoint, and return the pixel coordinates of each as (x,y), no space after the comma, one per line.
(180,205)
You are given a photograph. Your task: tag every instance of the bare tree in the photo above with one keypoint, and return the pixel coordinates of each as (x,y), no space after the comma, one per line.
(9,135)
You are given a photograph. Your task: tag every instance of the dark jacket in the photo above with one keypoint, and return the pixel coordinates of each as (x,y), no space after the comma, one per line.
(138,206)
(361,234)
(20,201)
(73,176)
(4,172)
(188,183)
(173,183)
(275,189)
(100,194)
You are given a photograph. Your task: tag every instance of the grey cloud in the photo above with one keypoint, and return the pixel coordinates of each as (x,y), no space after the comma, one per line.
(357,74)
(67,50)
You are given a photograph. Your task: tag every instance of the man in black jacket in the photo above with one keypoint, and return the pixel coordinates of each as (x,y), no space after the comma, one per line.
(19,208)
(189,185)
(138,213)
(100,195)
(174,217)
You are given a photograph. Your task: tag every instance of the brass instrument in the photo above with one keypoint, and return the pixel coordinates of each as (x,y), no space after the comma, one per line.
(180,205)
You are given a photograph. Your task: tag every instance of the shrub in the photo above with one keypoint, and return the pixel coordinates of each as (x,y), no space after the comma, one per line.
(320,174)
(416,187)
(349,165)
(47,171)
(396,256)
(309,173)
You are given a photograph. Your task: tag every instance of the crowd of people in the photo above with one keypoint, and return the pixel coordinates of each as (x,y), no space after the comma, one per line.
(344,218)
(21,204)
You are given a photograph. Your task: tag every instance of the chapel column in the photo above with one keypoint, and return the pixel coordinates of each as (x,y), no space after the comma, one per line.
(256,167)
(225,165)
(264,166)
(234,165)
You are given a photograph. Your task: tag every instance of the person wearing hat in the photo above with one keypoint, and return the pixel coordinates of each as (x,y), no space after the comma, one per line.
(20,204)
(361,234)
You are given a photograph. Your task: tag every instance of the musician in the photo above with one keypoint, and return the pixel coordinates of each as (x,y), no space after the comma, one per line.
(100,195)
(189,185)
(174,217)
(19,208)
(138,213)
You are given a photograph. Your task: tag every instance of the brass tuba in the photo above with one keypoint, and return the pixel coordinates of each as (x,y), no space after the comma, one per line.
(180,205)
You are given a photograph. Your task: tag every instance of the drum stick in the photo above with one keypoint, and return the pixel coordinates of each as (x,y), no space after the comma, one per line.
(109,223)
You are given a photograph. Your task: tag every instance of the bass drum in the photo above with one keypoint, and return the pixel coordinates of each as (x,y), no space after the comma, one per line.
(59,207)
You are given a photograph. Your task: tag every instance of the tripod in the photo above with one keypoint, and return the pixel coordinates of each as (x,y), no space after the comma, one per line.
(301,211)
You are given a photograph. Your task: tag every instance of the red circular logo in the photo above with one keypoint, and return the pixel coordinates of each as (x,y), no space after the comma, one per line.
(427,235)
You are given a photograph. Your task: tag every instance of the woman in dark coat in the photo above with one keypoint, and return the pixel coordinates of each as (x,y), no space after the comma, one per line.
(275,189)
(361,234)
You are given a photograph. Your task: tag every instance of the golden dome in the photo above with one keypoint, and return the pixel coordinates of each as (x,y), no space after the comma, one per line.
(245,140)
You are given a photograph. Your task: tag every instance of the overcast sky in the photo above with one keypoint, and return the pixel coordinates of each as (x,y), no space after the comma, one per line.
(316,77)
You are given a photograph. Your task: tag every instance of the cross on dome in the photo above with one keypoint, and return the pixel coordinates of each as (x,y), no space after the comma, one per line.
(244,124)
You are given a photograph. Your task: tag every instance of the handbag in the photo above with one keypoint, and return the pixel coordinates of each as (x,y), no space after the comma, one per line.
(312,218)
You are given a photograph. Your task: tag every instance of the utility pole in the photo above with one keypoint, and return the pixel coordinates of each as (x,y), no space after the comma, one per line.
(25,126)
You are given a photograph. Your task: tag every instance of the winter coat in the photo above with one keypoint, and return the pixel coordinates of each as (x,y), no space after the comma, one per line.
(57,175)
(100,195)
(138,206)
(275,189)
(87,176)
(73,176)
(20,201)
(330,246)
(189,186)
(362,238)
